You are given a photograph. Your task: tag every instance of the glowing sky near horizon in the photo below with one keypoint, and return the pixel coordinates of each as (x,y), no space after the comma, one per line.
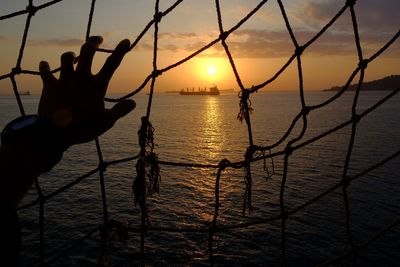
(260,47)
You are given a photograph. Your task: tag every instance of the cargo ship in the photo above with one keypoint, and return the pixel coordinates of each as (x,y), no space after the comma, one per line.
(213,91)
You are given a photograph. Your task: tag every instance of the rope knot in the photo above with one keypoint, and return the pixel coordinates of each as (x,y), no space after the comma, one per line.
(156,73)
(224,163)
(289,150)
(223,36)
(32,10)
(356,118)
(306,110)
(250,152)
(244,94)
(103,166)
(158,16)
(363,64)
(351,2)
(15,71)
(299,50)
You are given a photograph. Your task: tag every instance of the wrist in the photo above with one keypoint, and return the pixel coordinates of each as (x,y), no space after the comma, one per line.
(39,131)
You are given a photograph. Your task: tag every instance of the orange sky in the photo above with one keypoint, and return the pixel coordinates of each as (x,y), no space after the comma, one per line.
(260,47)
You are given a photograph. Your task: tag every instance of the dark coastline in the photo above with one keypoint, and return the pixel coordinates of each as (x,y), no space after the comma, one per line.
(388,83)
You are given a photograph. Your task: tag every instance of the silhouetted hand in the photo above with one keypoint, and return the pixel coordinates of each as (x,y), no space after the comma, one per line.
(75,101)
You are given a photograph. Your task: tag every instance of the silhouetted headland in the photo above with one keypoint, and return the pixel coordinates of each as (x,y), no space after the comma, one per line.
(388,83)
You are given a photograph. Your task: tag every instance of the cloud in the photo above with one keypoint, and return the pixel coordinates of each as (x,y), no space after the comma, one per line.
(57,42)
(170,47)
(254,43)
(192,47)
(174,42)
(377,21)
(177,35)
(372,15)
(261,43)
(145,45)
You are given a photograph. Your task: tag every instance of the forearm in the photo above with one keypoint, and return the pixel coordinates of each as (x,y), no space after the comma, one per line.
(19,167)
(71,111)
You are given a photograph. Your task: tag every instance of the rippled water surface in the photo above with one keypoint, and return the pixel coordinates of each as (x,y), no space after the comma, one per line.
(204,129)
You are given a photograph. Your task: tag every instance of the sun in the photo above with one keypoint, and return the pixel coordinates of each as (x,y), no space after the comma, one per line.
(211,70)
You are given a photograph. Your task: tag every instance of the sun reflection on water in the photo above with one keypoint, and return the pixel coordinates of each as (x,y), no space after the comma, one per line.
(210,129)
(210,143)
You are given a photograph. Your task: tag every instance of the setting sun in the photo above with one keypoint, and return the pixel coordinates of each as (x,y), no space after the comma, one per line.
(211,70)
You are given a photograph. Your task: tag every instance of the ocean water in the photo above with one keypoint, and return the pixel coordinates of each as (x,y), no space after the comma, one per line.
(204,129)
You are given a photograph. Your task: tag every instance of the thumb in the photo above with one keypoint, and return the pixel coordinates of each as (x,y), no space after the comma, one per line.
(123,107)
(119,110)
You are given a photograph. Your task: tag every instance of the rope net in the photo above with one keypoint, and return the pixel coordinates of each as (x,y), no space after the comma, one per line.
(148,163)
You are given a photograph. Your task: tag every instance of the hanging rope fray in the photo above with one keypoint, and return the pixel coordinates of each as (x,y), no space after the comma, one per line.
(146,135)
(244,113)
(266,167)
(148,175)
(244,105)
(248,180)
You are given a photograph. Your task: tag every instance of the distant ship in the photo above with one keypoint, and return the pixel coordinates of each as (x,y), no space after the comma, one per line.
(213,91)
(25,93)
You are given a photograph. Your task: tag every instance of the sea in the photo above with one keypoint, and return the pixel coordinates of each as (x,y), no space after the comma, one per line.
(205,130)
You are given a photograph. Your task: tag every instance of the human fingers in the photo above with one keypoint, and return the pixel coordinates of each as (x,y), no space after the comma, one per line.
(45,73)
(114,60)
(118,111)
(46,102)
(67,65)
(87,53)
